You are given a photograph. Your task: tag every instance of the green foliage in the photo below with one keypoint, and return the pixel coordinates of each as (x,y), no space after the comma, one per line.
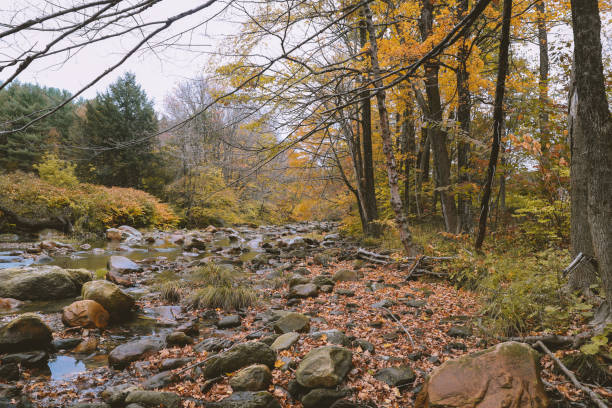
(541,221)
(56,171)
(214,275)
(100,274)
(221,289)
(599,343)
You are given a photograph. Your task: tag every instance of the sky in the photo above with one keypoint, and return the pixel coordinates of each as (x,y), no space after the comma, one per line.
(157,71)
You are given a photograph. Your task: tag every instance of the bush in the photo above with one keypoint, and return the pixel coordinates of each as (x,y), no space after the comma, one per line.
(56,171)
(91,208)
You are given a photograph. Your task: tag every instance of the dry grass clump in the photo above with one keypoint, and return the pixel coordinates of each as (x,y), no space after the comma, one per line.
(219,287)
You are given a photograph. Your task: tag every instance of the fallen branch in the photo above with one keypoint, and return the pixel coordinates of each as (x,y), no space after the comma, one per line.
(399,323)
(592,394)
(553,340)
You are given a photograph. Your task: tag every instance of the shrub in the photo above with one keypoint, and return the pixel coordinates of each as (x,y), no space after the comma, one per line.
(56,171)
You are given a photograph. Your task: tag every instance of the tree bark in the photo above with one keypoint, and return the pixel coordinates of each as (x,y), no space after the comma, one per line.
(498,120)
(543,85)
(385,132)
(594,120)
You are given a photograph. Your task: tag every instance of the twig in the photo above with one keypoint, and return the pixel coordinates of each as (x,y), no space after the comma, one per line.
(399,323)
(413,268)
(592,394)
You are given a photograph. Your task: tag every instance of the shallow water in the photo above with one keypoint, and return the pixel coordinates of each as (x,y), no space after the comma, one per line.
(64,367)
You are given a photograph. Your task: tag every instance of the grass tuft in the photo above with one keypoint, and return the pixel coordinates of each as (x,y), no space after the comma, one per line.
(222,297)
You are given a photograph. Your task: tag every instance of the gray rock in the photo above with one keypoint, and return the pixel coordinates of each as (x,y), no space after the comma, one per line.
(301,271)
(395,376)
(90,405)
(345,292)
(347,275)
(322,398)
(28,359)
(66,344)
(304,291)
(333,336)
(9,372)
(212,344)
(172,363)
(240,356)
(25,332)
(292,322)
(247,399)
(121,264)
(285,341)
(154,399)
(124,354)
(42,283)
(227,322)
(178,338)
(116,395)
(364,344)
(460,331)
(116,302)
(324,367)
(297,280)
(323,280)
(160,380)
(252,378)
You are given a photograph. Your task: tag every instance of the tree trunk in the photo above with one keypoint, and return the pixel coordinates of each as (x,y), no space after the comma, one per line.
(544,68)
(408,146)
(498,120)
(595,124)
(385,133)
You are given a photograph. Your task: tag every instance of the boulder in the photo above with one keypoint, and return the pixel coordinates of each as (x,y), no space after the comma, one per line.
(28,359)
(333,336)
(240,356)
(252,378)
(246,399)
(297,279)
(322,398)
(347,275)
(119,279)
(114,300)
(124,354)
(460,331)
(85,313)
(173,363)
(121,264)
(154,399)
(178,338)
(114,234)
(160,380)
(506,375)
(292,322)
(42,283)
(228,322)
(304,291)
(395,376)
(131,232)
(25,332)
(285,341)
(324,367)
(323,280)
(212,344)
(192,243)
(9,372)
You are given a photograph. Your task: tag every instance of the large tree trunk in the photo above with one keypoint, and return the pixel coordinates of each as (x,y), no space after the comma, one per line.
(498,120)
(594,120)
(438,136)
(385,133)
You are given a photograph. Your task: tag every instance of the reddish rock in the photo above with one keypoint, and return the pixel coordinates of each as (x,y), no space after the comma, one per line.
(87,346)
(85,313)
(506,375)
(9,303)
(119,279)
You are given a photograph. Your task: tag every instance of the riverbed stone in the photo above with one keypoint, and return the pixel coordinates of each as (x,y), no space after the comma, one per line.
(121,264)
(333,336)
(154,399)
(67,343)
(25,332)
(9,372)
(160,380)
(395,376)
(347,275)
(228,322)
(322,397)
(246,399)
(42,283)
(240,356)
(324,367)
(305,290)
(178,338)
(292,322)
(27,359)
(252,378)
(85,313)
(507,374)
(111,297)
(172,363)
(212,344)
(124,354)
(285,341)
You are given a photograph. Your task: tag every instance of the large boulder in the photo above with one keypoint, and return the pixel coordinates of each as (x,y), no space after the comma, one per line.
(292,322)
(116,302)
(121,264)
(324,367)
(252,378)
(395,376)
(285,341)
(124,354)
(347,275)
(506,375)
(246,399)
(153,399)
(305,290)
(85,313)
(42,283)
(240,356)
(25,332)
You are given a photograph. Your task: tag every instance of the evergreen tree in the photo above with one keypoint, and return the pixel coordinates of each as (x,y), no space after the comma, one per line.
(117,129)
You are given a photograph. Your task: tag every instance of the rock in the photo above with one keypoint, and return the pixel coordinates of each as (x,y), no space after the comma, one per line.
(124,354)
(347,275)
(131,232)
(121,265)
(345,292)
(172,363)
(154,399)
(322,398)
(345,403)
(253,378)
(323,280)
(246,399)
(113,234)
(292,322)
(28,359)
(116,395)
(9,303)
(395,376)
(386,303)
(42,283)
(324,367)
(66,344)
(90,405)
(460,331)
(298,280)
(85,313)
(195,243)
(160,380)
(9,372)
(212,344)
(114,300)
(304,291)
(364,344)
(87,346)
(333,336)
(25,332)
(285,341)
(321,259)
(119,279)
(227,322)
(415,303)
(506,375)
(178,338)
(301,271)
(240,356)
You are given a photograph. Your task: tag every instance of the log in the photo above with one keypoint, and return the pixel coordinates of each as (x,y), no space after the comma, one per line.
(29,225)
(552,340)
